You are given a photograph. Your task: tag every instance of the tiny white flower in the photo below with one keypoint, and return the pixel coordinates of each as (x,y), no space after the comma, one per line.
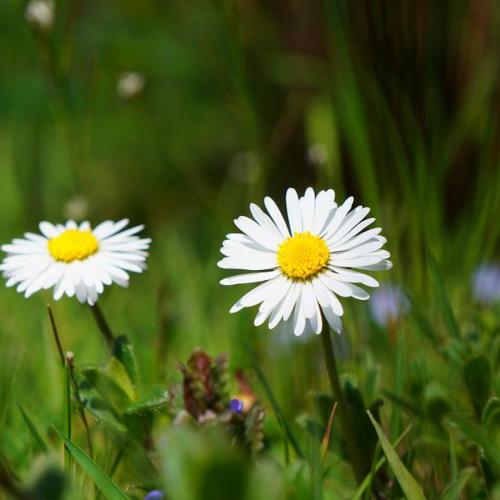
(40,14)
(74,259)
(130,84)
(305,265)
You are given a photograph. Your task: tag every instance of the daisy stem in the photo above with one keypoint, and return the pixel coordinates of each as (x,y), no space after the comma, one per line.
(353,449)
(103,325)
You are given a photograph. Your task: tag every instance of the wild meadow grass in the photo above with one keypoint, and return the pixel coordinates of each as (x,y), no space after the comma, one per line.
(396,104)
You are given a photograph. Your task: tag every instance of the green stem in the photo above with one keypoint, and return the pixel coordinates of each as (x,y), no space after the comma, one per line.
(103,325)
(354,449)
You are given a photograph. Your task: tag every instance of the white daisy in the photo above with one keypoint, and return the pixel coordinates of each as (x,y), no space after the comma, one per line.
(74,259)
(303,267)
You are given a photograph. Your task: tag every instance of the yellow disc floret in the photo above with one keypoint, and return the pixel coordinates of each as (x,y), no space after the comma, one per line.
(73,244)
(302,256)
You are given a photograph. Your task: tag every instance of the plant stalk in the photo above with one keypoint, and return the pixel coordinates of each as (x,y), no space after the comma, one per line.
(354,449)
(103,325)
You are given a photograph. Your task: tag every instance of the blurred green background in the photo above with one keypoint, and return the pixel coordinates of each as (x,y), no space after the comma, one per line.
(394,102)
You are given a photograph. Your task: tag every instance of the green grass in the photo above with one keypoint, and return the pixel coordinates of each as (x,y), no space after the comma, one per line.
(404,104)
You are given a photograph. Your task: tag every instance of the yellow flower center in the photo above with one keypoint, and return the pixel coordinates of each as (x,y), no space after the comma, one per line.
(303,255)
(72,245)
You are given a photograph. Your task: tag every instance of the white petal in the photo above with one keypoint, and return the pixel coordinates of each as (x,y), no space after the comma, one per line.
(307,206)
(333,320)
(265,221)
(258,294)
(338,218)
(250,278)
(257,232)
(324,206)
(293,210)
(277,217)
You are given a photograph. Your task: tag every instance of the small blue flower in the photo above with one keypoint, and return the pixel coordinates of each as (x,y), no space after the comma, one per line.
(387,304)
(486,283)
(155,495)
(236,405)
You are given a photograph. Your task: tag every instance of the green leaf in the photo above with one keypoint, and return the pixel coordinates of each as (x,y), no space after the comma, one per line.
(478,379)
(156,400)
(107,486)
(476,434)
(103,412)
(453,491)
(123,350)
(407,482)
(32,428)
(442,297)
(491,414)
(436,402)
(113,384)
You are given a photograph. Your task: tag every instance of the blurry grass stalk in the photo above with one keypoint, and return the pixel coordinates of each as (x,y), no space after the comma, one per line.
(67,413)
(353,450)
(67,362)
(103,325)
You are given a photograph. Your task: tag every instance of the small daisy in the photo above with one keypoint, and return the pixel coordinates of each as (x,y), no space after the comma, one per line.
(74,259)
(303,267)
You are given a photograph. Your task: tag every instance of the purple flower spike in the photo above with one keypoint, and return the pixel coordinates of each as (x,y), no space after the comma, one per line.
(486,283)
(236,405)
(387,304)
(155,495)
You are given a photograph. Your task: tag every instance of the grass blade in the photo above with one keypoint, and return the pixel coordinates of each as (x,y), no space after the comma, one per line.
(67,414)
(277,409)
(442,297)
(369,478)
(407,482)
(454,490)
(32,428)
(108,487)
(476,434)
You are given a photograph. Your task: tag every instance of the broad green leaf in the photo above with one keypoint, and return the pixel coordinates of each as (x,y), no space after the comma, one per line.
(124,351)
(476,434)
(117,371)
(103,412)
(407,482)
(436,402)
(156,400)
(113,384)
(32,428)
(478,379)
(107,486)
(442,297)
(453,491)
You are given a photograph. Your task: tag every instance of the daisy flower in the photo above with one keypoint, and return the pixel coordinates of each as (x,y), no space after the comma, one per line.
(74,259)
(303,267)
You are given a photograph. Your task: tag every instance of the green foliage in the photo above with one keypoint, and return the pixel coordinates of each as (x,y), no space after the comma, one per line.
(406,481)
(396,104)
(109,489)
